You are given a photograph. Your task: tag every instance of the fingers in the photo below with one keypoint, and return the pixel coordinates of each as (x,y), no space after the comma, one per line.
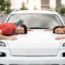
(44,30)
(30,30)
(12,38)
(58,38)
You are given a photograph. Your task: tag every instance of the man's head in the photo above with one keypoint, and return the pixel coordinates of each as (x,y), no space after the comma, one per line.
(58,30)
(21,29)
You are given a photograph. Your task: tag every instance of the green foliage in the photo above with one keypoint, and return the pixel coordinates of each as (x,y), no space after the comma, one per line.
(23,6)
(2,5)
(56,10)
(8,4)
(5,6)
(49,7)
(62,10)
(8,10)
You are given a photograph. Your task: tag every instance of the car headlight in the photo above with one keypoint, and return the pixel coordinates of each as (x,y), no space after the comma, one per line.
(63,45)
(2,44)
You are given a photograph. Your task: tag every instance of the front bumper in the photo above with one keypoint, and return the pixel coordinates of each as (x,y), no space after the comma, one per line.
(9,59)
(32,60)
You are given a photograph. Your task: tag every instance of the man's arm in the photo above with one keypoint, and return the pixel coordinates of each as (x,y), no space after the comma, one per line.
(48,29)
(6,37)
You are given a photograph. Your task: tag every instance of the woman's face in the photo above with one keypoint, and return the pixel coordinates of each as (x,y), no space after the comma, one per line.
(59,31)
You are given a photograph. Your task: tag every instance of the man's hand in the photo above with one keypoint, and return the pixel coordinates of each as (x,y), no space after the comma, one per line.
(59,38)
(47,30)
(11,38)
(29,30)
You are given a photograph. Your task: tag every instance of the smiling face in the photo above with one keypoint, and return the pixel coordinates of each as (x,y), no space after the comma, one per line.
(59,31)
(19,30)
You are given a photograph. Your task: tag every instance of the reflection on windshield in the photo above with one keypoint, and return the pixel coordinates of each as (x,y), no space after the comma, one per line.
(35,20)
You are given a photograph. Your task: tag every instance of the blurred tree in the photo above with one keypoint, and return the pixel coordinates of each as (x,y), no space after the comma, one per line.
(4,5)
(8,10)
(23,6)
(62,10)
(56,10)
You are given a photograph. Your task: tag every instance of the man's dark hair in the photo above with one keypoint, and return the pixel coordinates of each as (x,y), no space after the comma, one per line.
(57,27)
(25,28)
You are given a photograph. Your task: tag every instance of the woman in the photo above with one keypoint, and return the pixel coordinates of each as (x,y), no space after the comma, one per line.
(58,30)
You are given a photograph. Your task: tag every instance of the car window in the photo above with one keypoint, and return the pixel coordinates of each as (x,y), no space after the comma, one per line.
(35,20)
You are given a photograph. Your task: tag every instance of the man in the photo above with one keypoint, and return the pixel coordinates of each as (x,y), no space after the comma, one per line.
(11,28)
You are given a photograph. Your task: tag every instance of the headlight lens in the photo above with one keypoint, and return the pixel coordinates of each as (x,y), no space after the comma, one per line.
(2,44)
(63,45)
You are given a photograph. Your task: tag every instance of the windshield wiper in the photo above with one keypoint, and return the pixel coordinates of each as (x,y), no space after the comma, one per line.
(38,28)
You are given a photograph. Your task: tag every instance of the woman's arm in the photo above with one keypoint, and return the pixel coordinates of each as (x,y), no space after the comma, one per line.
(49,29)
(59,38)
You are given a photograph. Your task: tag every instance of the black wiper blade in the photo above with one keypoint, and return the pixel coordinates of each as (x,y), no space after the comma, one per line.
(38,28)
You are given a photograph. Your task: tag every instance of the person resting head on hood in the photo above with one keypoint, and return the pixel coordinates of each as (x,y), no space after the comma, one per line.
(11,28)
(58,30)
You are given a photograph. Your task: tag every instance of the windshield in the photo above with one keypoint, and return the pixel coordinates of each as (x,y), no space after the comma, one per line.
(35,20)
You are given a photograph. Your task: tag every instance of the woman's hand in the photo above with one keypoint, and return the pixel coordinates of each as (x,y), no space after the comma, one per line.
(59,38)
(48,29)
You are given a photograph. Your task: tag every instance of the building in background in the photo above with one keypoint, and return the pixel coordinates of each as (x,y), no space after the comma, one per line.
(12,4)
(58,5)
(42,4)
(32,4)
(53,4)
(36,4)
(47,4)
(15,4)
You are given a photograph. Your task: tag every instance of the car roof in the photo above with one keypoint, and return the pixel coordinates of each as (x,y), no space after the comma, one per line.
(34,11)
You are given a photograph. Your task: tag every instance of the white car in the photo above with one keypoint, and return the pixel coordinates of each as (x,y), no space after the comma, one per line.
(38,46)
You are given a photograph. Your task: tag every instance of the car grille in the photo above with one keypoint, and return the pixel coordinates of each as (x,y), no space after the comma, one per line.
(35,55)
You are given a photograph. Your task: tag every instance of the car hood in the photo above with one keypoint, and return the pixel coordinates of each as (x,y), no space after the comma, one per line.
(35,43)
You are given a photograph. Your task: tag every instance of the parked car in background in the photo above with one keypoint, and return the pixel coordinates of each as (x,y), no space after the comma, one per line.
(38,46)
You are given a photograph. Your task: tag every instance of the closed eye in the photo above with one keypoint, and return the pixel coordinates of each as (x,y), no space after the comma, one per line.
(57,31)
